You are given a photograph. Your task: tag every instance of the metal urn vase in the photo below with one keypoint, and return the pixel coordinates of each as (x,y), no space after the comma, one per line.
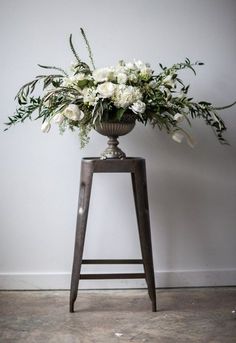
(113,130)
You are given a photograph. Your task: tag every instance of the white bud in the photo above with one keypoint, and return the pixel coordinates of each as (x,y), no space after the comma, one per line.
(46,126)
(58,118)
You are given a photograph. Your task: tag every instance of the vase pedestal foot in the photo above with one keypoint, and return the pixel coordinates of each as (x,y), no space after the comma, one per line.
(112,151)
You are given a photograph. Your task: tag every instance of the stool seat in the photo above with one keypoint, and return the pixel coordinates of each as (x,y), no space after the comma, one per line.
(136,166)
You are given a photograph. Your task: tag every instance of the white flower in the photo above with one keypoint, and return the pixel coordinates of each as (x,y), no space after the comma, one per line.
(179,117)
(122,78)
(46,126)
(139,64)
(89,96)
(58,118)
(82,76)
(73,112)
(130,65)
(126,95)
(178,136)
(138,107)
(106,89)
(103,74)
(168,81)
(133,77)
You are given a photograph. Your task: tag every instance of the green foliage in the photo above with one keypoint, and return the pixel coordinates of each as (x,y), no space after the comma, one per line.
(132,91)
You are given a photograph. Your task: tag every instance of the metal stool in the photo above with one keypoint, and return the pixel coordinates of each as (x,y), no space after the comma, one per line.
(137,168)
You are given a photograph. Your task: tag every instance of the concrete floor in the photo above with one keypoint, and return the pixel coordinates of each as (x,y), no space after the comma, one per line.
(196,315)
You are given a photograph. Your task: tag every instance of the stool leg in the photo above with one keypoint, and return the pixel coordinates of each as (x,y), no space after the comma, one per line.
(82,215)
(139,183)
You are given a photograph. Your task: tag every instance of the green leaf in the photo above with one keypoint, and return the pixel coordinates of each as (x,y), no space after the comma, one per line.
(120,112)
(82,83)
(55,68)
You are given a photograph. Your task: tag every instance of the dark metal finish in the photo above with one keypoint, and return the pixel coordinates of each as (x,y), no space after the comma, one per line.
(113,276)
(137,168)
(112,261)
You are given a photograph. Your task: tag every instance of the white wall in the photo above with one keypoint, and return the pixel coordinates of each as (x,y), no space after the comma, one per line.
(192,192)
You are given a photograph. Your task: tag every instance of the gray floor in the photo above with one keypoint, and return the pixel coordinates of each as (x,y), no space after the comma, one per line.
(184,315)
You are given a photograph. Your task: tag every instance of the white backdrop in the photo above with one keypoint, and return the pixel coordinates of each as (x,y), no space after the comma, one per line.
(192,192)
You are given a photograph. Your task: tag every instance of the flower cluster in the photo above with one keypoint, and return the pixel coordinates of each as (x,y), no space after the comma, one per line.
(127,91)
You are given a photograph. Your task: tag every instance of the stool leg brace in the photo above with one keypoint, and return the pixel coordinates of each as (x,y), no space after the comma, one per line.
(137,168)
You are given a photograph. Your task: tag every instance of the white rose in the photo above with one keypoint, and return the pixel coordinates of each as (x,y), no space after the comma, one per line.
(106,89)
(138,107)
(73,112)
(46,126)
(58,118)
(102,74)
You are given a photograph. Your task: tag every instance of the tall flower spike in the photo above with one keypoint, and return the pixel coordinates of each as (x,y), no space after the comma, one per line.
(88,47)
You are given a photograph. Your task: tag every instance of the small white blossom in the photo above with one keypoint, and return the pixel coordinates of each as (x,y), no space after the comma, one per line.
(89,96)
(168,81)
(73,112)
(46,126)
(130,65)
(139,64)
(133,77)
(122,78)
(80,76)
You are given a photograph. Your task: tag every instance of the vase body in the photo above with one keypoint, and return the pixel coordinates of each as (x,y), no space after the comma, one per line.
(113,130)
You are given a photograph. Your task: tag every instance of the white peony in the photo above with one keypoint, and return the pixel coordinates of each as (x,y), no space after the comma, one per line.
(138,107)
(103,74)
(46,126)
(126,95)
(73,112)
(106,89)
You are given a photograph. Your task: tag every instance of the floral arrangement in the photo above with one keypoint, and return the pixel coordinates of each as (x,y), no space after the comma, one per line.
(128,91)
